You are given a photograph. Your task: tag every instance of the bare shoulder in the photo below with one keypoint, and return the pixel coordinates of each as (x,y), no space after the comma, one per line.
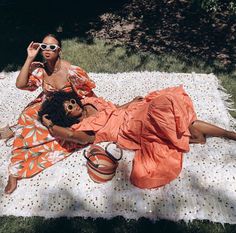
(65,64)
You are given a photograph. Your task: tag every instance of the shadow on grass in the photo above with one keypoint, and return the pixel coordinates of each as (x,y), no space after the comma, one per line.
(22,22)
(180,27)
(115,225)
(174,27)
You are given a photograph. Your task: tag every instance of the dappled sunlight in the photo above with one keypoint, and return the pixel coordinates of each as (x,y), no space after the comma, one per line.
(65,189)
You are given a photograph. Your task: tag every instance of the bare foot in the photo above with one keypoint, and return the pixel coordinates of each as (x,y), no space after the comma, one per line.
(231,135)
(11,185)
(6,133)
(196,136)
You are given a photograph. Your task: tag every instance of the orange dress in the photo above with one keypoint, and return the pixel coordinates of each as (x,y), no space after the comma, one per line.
(156,128)
(34,149)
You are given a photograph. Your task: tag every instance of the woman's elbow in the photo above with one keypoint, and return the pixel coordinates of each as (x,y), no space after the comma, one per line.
(20,86)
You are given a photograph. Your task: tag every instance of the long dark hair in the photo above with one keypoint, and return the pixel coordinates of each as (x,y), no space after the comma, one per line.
(53,107)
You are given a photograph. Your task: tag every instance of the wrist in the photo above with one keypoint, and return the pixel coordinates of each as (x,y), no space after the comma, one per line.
(29,60)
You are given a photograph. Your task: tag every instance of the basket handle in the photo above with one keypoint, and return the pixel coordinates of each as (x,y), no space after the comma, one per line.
(94,154)
(89,160)
(110,155)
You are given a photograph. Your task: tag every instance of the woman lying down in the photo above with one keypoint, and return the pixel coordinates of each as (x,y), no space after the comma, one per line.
(158,127)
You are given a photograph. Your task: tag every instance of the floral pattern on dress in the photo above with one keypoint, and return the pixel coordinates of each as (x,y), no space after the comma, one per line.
(34,149)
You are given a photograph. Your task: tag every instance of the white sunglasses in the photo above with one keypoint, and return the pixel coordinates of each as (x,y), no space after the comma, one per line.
(51,47)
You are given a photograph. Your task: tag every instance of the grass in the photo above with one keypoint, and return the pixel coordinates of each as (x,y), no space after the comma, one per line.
(111,58)
(98,56)
(115,225)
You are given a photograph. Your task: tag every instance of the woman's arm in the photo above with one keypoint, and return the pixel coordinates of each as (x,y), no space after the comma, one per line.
(80,137)
(23,77)
(136,99)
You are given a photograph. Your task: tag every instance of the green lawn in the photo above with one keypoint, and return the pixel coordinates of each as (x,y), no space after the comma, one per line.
(100,56)
(115,225)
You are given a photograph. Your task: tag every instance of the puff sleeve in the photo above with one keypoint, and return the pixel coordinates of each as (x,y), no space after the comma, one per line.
(80,81)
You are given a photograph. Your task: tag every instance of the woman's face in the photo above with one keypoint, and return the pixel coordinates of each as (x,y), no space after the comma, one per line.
(50,52)
(72,108)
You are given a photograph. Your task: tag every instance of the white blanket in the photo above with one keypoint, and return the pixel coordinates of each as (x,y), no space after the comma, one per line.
(205,189)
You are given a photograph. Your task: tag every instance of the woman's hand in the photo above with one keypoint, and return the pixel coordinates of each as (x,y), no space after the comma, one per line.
(23,77)
(46,122)
(137,99)
(33,50)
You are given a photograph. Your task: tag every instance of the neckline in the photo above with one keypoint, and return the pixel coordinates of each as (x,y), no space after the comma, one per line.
(85,109)
(55,70)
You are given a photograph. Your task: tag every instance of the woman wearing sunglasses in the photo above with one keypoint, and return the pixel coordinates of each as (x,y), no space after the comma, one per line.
(33,144)
(158,128)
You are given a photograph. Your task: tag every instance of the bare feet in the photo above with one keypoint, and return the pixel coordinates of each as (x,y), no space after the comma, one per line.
(196,136)
(6,133)
(231,135)
(11,185)
(212,130)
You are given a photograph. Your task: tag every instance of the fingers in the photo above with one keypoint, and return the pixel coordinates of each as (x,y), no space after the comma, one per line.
(34,45)
(45,116)
(30,45)
(38,64)
(46,120)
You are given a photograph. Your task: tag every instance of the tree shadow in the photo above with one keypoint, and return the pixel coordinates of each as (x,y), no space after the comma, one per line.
(180,27)
(22,22)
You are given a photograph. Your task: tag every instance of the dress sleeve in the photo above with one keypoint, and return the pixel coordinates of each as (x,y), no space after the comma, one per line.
(99,120)
(80,81)
(35,78)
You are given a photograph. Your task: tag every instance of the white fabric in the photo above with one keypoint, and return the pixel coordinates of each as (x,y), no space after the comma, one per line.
(205,189)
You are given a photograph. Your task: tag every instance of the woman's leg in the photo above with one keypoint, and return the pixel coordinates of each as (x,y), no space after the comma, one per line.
(208,129)
(11,185)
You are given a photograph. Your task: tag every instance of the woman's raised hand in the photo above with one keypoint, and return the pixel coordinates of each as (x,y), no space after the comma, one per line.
(33,50)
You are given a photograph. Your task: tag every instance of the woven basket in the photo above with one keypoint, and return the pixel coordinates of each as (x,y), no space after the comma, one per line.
(101,164)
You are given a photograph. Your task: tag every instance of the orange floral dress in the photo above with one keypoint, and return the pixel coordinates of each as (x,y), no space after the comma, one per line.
(156,128)
(34,149)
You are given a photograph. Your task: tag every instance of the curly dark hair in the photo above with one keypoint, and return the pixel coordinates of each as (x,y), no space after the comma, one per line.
(53,107)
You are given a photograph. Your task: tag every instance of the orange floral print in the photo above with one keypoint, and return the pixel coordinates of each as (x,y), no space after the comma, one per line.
(34,149)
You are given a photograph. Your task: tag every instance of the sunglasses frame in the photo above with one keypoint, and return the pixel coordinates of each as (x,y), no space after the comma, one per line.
(70,104)
(48,46)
